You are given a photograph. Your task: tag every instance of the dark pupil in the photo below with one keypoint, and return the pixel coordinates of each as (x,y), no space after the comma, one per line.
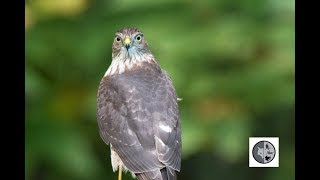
(138,38)
(118,39)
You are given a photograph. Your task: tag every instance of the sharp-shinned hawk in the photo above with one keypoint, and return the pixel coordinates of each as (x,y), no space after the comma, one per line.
(137,111)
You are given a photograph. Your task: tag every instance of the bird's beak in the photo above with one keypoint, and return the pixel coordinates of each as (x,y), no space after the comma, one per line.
(127,42)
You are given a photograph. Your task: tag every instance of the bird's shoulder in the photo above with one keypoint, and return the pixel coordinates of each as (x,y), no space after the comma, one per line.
(143,78)
(139,72)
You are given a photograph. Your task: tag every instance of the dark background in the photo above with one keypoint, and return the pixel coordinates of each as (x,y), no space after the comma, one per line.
(232,63)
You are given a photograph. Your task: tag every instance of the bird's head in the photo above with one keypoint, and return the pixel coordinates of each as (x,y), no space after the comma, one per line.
(128,50)
(128,43)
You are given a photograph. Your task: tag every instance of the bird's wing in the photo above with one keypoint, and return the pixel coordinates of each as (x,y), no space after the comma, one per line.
(168,134)
(113,116)
(138,114)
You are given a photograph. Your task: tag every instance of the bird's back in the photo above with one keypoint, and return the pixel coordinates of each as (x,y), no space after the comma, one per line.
(141,121)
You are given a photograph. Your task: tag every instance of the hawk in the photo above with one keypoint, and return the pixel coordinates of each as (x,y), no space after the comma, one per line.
(137,111)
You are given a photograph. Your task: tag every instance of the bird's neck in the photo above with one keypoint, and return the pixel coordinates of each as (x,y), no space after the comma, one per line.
(123,63)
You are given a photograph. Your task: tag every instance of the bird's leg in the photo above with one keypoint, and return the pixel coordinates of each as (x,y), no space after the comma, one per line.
(120,172)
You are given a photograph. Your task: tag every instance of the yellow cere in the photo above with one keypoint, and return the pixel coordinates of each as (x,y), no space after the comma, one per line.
(127,41)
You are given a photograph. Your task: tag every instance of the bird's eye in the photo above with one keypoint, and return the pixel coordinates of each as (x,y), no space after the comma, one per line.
(138,38)
(118,39)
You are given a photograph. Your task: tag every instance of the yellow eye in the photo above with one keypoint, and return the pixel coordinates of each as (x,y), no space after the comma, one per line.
(118,39)
(138,38)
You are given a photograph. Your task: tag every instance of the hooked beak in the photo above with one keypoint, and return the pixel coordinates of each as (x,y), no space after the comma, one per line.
(127,43)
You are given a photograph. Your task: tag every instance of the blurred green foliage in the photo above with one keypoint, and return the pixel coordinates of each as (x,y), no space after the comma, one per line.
(232,63)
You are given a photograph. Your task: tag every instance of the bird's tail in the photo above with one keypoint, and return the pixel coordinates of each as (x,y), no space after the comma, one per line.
(163,174)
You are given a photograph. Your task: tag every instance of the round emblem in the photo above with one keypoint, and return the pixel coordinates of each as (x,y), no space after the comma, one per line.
(263,152)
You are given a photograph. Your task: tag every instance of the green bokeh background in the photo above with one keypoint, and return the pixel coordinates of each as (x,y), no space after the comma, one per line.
(232,62)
